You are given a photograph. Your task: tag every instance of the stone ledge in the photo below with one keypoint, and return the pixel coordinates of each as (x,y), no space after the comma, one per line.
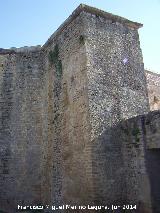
(94,11)
(110,16)
(24,49)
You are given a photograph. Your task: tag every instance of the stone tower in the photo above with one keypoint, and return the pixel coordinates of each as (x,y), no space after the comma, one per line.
(60,108)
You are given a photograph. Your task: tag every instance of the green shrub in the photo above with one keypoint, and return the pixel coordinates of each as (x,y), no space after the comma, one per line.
(81,39)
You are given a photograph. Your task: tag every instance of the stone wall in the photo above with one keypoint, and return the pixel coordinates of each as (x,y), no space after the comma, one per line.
(116,81)
(66,62)
(125,164)
(152,135)
(116,91)
(22,128)
(139,139)
(153,86)
(119,166)
(63,138)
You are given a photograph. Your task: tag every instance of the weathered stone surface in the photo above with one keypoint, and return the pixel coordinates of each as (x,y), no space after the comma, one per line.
(63,106)
(21,102)
(116,90)
(153,85)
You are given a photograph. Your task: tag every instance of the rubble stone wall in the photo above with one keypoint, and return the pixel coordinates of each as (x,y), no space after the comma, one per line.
(63,106)
(71,174)
(153,87)
(22,128)
(116,91)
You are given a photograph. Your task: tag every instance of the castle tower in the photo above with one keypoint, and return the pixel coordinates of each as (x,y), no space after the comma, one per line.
(98,80)
(77,87)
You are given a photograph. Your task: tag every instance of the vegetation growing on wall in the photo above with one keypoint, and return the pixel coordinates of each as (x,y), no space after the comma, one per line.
(135,133)
(54,60)
(81,39)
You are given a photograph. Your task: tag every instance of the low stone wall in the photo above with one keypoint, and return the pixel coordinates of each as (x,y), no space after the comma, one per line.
(126,163)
